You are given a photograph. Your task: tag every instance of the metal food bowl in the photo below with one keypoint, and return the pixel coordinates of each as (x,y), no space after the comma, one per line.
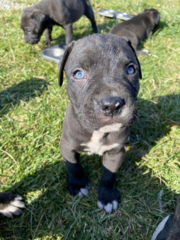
(114,14)
(54,53)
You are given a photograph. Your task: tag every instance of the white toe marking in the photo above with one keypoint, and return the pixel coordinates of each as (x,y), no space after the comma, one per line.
(6,213)
(9,210)
(84,191)
(17,211)
(80,194)
(18,203)
(115,205)
(145,50)
(100,205)
(108,208)
(12,209)
(18,197)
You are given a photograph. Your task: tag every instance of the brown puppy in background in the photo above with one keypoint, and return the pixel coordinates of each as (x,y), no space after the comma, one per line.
(138,28)
(44,14)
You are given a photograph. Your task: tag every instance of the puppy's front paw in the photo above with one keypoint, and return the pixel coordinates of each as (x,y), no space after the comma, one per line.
(11,204)
(108,198)
(78,186)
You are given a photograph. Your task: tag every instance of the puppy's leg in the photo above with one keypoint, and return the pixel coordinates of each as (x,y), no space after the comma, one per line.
(77,181)
(10,204)
(48,38)
(108,196)
(90,15)
(69,33)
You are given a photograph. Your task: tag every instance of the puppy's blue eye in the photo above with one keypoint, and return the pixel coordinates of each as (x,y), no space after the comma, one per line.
(79,75)
(130,70)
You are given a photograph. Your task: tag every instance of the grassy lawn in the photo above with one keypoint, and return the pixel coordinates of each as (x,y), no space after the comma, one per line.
(32,108)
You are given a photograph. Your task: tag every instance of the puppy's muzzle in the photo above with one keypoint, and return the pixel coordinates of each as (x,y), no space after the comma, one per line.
(111,106)
(31,40)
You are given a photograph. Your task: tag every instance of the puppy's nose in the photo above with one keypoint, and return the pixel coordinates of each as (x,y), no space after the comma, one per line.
(111,105)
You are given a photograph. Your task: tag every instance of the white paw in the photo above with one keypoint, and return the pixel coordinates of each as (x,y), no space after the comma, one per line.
(13,207)
(18,197)
(18,203)
(145,51)
(83,192)
(108,207)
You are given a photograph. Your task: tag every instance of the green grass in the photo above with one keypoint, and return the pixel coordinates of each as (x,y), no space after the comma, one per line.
(32,108)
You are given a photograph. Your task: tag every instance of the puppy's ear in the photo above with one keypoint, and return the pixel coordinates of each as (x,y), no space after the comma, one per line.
(38,16)
(129,43)
(63,61)
(156,17)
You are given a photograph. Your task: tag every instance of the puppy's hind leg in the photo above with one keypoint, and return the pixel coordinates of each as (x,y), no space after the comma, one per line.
(90,15)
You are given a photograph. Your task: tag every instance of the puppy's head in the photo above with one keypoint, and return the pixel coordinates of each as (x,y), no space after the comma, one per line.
(155,15)
(103,80)
(32,24)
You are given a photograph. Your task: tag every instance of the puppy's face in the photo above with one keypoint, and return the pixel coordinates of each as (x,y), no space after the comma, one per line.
(32,25)
(103,80)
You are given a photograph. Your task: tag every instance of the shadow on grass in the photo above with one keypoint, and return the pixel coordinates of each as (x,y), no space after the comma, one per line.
(160,27)
(56,213)
(22,91)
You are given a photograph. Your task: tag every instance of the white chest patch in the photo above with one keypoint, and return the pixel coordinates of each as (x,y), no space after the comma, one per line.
(95,145)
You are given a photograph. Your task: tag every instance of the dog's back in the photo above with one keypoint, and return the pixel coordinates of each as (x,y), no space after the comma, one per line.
(139,27)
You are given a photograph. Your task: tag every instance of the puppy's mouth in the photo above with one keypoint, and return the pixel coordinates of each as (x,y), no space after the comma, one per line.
(31,41)
(108,120)
(119,112)
(107,112)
